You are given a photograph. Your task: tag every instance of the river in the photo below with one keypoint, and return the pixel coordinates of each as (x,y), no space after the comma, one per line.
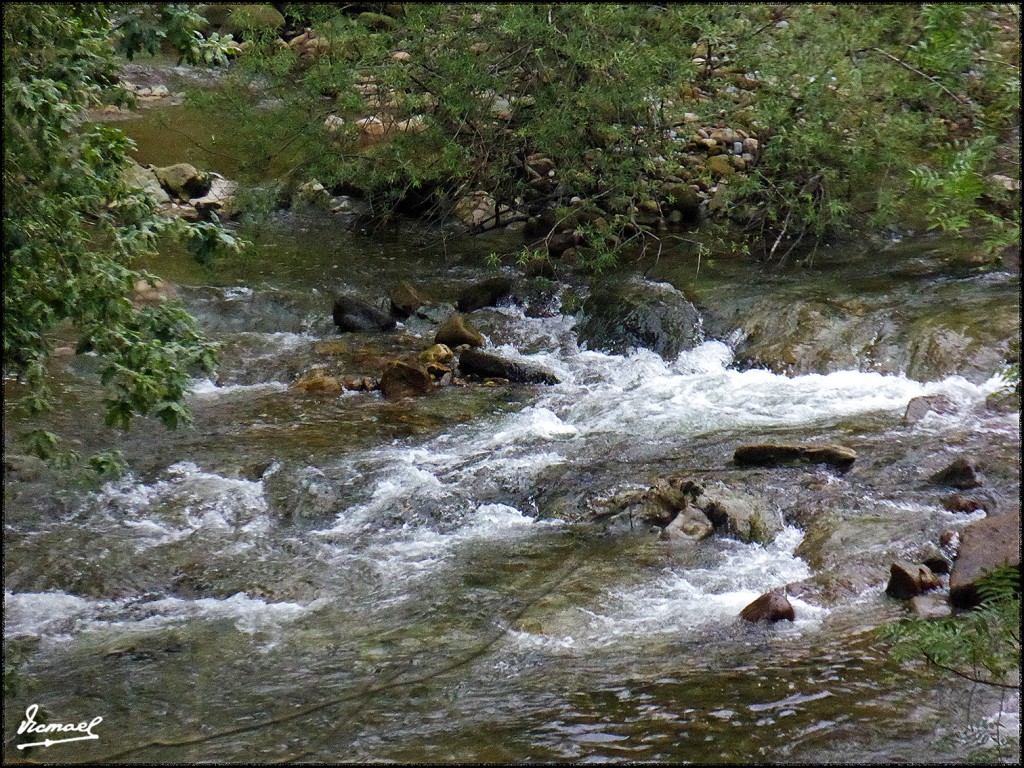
(339,578)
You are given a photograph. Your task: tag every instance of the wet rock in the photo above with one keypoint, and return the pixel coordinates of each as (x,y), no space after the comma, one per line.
(770,455)
(919,407)
(739,516)
(439,353)
(456,331)
(486,293)
(405,300)
(1004,401)
(353,315)
(183,181)
(488,365)
(402,379)
(481,211)
(317,381)
(23,468)
(963,504)
(620,315)
(907,580)
(770,607)
(930,607)
(962,473)
(985,545)
(689,525)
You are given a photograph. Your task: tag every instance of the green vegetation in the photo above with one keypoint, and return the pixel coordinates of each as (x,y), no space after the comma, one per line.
(981,645)
(864,116)
(72,225)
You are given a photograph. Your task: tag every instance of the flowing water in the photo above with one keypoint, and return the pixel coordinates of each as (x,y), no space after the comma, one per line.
(343,578)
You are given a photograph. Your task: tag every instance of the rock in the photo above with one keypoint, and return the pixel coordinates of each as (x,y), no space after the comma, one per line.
(958,502)
(689,525)
(962,473)
(739,516)
(930,607)
(720,165)
(985,545)
(404,300)
(219,197)
(620,315)
(907,580)
(919,407)
(683,201)
(183,181)
(23,468)
(770,455)
(439,353)
(319,382)
(1004,401)
(402,379)
(456,331)
(486,293)
(378,22)
(481,211)
(146,180)
(770,607)
(146,293)
(488,365)
(353,315)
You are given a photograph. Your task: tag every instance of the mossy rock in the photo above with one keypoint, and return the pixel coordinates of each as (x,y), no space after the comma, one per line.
(378,22)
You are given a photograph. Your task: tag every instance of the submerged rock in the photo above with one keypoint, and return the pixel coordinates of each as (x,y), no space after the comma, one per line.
(620,315)
(402,379)
(985,545)
(456,331)
(962,473)
(771,454)
(907,580)
(770,607)
(353,315)
(483,294)
(488,365)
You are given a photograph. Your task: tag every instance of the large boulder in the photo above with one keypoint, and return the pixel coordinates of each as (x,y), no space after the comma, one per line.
(489,365)
(456,331)
(620,315)
(486,293)
(353,315)
(984,546)
(770,607)
(773,454)
(183,181)
(218,198)
(907,580)
(402,379)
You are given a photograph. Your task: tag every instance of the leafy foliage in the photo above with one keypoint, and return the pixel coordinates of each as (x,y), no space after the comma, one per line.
(866,115)
(981,645)
(73,226)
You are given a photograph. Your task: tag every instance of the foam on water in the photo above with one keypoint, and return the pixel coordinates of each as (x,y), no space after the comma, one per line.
(189,500)
(682,601)
(57,615)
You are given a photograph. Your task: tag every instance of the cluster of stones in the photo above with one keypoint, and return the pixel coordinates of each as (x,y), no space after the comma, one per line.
(454,356)
(183,191)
